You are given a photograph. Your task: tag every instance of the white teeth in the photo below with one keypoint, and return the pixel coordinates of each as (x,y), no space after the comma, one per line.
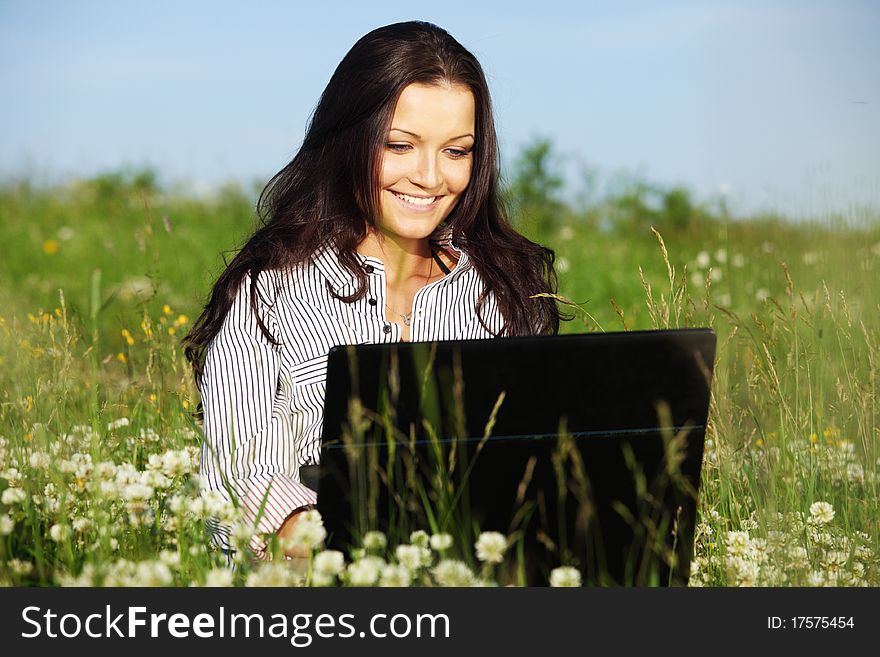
(414,199)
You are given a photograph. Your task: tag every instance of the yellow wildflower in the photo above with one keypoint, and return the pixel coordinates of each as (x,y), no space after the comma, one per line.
(181,320)
(129,338)
(50,247)
(170,330)
(166,309)
(121,357)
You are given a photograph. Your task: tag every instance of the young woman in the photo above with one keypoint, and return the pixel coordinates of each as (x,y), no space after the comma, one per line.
(385,226)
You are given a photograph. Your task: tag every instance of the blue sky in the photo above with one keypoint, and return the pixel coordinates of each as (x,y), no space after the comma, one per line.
(776,102)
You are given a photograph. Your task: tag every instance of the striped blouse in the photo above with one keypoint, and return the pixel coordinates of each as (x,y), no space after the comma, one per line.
(263,403)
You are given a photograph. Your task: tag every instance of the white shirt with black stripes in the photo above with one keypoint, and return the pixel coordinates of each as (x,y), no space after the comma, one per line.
(263,403)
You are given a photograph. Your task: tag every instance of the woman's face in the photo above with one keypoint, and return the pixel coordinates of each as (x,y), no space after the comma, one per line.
(427,160)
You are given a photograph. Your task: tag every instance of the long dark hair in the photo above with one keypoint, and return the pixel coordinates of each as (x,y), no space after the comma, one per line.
(329,192)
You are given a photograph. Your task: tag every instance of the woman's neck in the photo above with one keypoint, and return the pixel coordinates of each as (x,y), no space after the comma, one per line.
(403,258)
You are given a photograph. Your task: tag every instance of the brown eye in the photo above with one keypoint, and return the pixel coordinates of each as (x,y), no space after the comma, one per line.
(397,148)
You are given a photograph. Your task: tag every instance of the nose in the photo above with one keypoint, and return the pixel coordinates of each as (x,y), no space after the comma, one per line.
(426,172)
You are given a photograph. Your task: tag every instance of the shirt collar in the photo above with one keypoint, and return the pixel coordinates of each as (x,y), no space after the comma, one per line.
(327,262)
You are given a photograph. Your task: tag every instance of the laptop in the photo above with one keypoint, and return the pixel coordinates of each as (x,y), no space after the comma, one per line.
(584,450)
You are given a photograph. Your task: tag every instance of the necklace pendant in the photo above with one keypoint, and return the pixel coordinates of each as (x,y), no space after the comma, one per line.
(407,319)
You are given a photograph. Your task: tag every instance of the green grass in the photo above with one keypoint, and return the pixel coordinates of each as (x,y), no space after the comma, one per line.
(100,280)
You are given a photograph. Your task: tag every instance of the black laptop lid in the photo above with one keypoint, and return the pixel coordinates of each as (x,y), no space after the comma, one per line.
(416,451)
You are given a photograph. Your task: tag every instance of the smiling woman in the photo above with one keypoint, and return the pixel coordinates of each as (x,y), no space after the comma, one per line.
(385,226)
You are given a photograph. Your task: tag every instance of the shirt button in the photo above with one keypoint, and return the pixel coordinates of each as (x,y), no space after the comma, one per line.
(372,302)
(369,269)
(386,328)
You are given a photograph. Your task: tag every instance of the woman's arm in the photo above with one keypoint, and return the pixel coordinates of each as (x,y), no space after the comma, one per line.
(249,444)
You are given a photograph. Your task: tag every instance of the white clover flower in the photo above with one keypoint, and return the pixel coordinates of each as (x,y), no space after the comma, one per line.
(697,279)
(703,259)
(329,562)
(858,571)
(721,255)
(218,577)
(815,578)
(39,460)
(12,496)
(741,571)
(821,513)
(170,558)
(177,503)
(241,534)
(834,559)
(565,576)
(738,260)
(395,576)
(738,543)
(12,476)
(118,424)
(566,233)
(271,573)
(323,580)
(419,537)
(412,557)
(136,496)
(106,489)
(490,547)
(20,567)
(81,524)
(375,541)
(105,470)
(798,558)
(562,265)
(365,572)
(156,480)
(451,572)
(863,553)
(762,294)
(7,524)
(441,542)
(59,533)
(151,573)
(213,503)
(308,532)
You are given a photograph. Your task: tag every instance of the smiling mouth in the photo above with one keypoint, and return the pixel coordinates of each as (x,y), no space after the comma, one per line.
(421,201)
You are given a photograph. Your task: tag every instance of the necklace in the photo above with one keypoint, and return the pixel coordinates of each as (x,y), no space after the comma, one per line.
(407,317)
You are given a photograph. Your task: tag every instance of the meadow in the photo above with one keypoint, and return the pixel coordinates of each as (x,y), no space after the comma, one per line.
(101,278)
